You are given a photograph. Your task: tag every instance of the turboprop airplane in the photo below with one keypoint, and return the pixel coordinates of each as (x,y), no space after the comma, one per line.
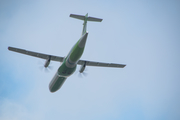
(69,62)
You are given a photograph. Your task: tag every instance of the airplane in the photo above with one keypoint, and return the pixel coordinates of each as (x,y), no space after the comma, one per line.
(70,62)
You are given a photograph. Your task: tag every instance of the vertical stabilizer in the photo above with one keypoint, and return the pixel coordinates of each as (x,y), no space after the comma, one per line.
(85,24)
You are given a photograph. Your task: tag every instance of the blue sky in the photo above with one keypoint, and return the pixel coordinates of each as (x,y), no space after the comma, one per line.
(145,35)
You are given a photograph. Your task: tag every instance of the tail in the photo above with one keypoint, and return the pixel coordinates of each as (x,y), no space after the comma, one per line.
(85,18)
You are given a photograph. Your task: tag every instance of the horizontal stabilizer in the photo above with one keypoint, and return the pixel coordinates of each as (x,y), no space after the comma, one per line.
(94,19)
(82,17)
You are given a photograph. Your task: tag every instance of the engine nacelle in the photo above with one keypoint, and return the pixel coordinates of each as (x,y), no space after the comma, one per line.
(47,62)
(82,67)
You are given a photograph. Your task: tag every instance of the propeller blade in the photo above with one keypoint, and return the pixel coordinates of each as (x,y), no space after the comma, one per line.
(42,68)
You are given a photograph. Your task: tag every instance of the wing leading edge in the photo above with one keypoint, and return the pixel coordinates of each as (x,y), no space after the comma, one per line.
(60,59)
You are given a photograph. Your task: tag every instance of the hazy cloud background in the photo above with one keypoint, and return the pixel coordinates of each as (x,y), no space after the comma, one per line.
(145,35)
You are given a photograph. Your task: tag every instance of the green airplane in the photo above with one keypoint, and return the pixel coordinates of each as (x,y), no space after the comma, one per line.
(69,62)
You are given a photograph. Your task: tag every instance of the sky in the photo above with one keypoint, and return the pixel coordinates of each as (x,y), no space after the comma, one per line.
(144,35)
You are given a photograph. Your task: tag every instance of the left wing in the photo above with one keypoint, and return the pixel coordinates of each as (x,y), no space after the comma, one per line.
(35,54)
(100,64)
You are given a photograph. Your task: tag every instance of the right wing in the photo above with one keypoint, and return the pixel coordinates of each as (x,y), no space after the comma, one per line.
(35,54)
(100,64)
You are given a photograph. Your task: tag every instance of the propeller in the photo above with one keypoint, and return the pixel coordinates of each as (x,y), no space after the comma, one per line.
(45,67)
(83,74)
(82,71)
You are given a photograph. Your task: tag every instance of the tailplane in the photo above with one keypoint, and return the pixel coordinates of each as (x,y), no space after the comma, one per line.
(85,19)
(82,17)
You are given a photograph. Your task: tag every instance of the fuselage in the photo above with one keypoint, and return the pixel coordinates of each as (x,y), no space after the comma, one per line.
(69,64)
